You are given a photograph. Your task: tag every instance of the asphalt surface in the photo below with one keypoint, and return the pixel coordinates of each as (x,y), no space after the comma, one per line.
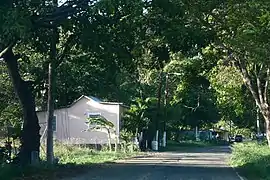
(199,164)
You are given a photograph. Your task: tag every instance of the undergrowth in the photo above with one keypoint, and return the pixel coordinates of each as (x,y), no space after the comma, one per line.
(252,160)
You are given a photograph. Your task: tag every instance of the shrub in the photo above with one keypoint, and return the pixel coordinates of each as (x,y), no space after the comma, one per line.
(84,155)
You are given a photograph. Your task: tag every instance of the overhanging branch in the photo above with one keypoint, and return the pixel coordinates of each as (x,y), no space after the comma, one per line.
(194,108)
(3,52)
(64,11)
(259,86)
(67,46)
(247,80)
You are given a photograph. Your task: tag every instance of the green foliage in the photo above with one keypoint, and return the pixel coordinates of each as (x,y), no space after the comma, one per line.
(246,132)
(100,122)
(139,115)
(84,155)
(192,102)
(252,160)
(126,136)
(10,110)
(127,141)
(5,154)
(233,99)
(235,128)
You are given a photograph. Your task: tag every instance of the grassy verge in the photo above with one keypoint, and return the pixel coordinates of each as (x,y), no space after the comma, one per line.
(251,160)
(72,160)
(83,155)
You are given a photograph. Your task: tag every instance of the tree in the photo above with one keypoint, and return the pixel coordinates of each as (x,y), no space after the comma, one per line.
(243,37)
(34,20)
(137,117)
(99,123)
(192,100)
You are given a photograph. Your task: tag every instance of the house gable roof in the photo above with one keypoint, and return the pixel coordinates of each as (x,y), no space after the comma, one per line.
(104,102)
(93,99)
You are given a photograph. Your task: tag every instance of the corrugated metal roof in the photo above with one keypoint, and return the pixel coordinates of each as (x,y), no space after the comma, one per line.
(95,99)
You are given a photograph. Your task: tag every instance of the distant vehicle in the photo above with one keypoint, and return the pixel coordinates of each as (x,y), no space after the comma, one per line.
(238,138)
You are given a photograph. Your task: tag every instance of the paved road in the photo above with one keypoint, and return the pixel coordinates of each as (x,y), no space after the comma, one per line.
(200,164)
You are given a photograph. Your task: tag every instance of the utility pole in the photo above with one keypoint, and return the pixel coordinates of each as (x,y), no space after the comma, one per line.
(230,128)
(165,109)
(51,92)
(159,96)
(166,102)
(155,142)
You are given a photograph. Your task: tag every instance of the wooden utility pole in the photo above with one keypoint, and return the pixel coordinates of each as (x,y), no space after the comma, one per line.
(159,94)
(51,92)
(165,109)
(166,98)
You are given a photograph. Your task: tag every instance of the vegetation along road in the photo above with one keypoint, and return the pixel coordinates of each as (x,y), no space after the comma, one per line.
(207,163)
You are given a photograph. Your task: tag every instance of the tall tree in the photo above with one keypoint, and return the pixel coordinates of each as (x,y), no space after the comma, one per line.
(23,22)
(243,36)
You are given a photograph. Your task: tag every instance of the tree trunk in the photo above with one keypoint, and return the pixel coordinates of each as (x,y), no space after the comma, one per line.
(109,140)
(259,91)
(258,121)
(268,131)
(115,145)
(30,137)
(266,114)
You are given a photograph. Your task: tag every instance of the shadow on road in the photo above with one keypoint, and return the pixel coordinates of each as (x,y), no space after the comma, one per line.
(159,171)
(208,149)
(203,163)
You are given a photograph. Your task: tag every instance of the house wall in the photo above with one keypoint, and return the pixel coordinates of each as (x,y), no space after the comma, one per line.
(62,124)
(122,111)
(71,122)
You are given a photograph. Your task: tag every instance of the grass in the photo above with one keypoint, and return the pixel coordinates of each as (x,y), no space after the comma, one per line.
(251,160)
(72,160)
(84,155)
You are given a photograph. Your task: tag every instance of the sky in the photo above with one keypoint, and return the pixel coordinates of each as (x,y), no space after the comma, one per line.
(60,2)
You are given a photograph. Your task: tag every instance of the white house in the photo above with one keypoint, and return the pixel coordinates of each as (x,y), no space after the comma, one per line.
(70,123)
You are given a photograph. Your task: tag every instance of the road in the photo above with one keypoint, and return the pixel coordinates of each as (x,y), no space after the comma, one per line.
(199,164)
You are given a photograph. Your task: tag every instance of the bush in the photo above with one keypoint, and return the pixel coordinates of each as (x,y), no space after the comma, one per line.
(84,155)
(5,153)
(252,160)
